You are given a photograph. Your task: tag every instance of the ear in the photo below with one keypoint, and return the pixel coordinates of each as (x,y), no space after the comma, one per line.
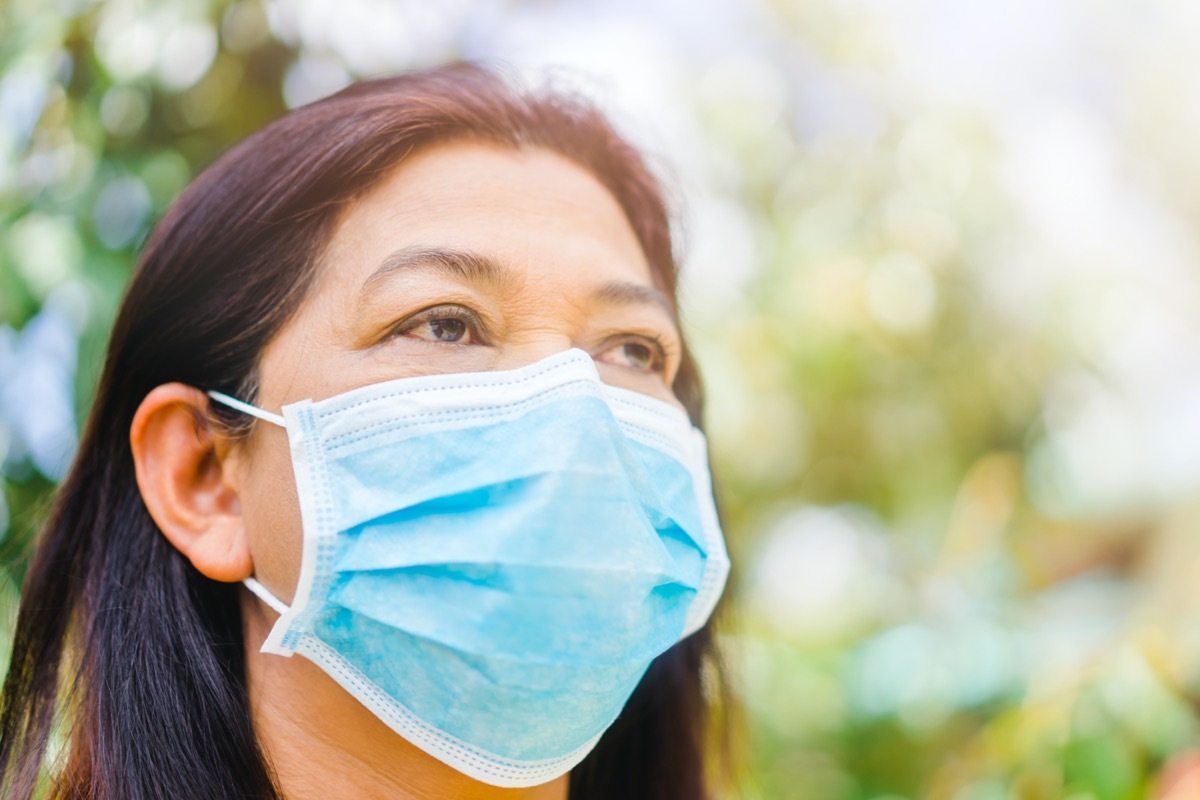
(187,482)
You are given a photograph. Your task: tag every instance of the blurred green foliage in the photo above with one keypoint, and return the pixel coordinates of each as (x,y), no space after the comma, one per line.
(98,138)
(924,606)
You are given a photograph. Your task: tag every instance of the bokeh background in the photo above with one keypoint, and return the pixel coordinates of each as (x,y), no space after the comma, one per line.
(943,271)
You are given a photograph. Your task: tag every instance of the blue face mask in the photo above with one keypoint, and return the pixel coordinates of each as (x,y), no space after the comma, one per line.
(491,560)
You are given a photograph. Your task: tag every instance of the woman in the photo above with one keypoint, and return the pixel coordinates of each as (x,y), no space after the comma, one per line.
(482,518)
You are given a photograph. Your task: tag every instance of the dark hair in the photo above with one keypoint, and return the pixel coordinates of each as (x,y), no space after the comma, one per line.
(126,652)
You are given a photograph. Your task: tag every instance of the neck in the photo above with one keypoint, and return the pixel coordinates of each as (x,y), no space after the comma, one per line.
(321,742)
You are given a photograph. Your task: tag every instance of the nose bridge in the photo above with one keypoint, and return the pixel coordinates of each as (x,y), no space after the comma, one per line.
(534,348)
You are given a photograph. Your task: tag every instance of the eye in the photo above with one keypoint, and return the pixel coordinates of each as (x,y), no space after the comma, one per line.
(444,325)
(639,355)
(447,330)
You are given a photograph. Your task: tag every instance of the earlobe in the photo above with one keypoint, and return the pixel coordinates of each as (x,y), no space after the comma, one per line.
(187,484)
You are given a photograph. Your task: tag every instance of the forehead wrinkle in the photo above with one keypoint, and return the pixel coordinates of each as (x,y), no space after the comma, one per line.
(463,265)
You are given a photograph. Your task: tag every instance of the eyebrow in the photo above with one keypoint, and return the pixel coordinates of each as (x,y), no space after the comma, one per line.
(460,264)
(476,268)
(621,293)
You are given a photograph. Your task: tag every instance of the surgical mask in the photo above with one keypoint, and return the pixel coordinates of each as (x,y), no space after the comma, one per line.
(492,560)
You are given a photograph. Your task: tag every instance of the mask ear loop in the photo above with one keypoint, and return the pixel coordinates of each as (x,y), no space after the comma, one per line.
(253,585)
(246,408)
(265,595)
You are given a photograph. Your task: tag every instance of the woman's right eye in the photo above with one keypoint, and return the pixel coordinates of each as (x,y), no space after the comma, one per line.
(445,324)
(446,330)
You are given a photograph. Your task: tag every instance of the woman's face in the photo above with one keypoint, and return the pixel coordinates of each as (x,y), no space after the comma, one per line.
(469,257)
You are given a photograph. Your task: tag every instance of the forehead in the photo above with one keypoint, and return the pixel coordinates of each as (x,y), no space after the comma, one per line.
(536,211)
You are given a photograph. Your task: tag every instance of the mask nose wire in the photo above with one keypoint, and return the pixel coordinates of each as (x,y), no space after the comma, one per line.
(246,408)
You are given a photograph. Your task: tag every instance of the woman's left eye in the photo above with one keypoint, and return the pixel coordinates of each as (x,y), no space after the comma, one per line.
(641,356)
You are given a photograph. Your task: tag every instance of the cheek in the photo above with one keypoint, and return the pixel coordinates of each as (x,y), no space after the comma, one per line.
(271,514)
(647,383)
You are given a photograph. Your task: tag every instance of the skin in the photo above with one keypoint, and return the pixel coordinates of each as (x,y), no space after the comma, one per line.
(553,264)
